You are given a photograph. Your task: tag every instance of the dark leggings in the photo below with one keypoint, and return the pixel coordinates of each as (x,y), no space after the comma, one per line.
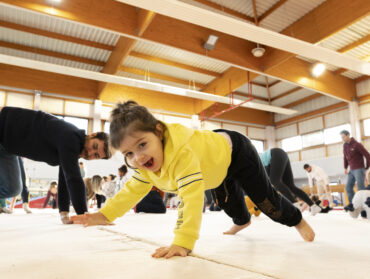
(100,199)
(152,203)
(281,176)
(247,174)
(25,193)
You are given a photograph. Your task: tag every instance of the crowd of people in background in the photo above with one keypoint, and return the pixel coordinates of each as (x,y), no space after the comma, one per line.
(276,163)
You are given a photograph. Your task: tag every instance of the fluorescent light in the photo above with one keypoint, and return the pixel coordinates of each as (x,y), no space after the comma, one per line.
(55,1)
(318,69)
(211,42)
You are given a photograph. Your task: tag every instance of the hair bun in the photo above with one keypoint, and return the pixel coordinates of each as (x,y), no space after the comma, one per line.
(123,108)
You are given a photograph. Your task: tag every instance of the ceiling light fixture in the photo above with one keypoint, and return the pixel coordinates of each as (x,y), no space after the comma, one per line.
(211,42)
(318,69)
(258,51)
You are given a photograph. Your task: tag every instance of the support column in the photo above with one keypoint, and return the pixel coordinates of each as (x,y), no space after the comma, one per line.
(37,100)
(195,122)
(97,116)
(270,137)
(354,116)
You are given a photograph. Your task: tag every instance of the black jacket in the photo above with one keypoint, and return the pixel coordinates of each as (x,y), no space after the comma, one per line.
(43,137)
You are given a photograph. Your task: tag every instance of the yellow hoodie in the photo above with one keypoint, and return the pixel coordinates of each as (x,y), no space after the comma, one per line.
(194,161)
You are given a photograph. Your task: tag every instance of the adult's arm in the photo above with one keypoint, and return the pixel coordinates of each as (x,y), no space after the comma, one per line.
(70,176)
(345,160)
(47,199)
(366,154)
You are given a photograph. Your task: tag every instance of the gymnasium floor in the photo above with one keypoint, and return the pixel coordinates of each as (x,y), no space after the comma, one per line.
(38,246)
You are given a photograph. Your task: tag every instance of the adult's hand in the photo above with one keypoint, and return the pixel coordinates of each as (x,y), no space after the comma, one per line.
(346,171)
(64,217)
(89,219)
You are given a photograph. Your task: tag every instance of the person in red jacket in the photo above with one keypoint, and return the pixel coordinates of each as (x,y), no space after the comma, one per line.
(354,153)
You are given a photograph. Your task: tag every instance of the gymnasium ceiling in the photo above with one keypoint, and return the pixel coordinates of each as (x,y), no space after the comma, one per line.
(115,38)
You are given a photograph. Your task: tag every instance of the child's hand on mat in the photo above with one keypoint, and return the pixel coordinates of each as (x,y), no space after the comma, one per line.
(88,219)
(168,252)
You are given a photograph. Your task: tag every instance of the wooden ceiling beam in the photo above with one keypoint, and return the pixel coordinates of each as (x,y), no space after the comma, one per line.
(274,83)
(329,18)
(225,9)
(54,35)
(47,82)
(165,30)
(231,79)
(291,91)
(51,53)
(312,113)
(303,100)
(174,64)
(124,46)
(255,12)
(354,44)
(361,78)
(159,76)
(272,9)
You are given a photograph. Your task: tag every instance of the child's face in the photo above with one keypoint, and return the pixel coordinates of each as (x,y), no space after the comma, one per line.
(143,150)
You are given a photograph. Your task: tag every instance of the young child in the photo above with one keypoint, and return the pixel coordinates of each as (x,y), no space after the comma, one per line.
(188,162)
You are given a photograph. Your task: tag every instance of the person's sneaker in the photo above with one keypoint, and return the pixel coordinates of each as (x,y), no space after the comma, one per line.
(27,208)
(5,210)
(315,209)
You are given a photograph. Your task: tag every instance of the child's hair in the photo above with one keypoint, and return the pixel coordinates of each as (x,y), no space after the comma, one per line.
(89,192)
(123,169)
(129,117)
(96,182)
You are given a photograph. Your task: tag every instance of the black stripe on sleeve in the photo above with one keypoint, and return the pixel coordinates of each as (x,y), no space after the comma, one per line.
(190,183)
(187,176)
(140,180)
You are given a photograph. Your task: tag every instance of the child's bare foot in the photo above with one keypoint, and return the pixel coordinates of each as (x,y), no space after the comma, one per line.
(236,228)
(305,230)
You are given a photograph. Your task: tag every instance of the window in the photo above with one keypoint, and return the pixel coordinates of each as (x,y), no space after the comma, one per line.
(292,144)
(367,127)
(331,135)
(259,145)
(80,123)
(106,126)
(312,139)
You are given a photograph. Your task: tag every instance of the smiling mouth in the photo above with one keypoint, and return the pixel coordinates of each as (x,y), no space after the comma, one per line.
(149,164)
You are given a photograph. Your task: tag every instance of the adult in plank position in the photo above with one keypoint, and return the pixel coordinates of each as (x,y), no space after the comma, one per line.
(43,137)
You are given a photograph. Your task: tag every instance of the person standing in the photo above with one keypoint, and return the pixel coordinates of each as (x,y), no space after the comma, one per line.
(322,182)
(354,154)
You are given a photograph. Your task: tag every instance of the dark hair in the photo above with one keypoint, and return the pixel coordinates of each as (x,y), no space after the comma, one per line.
(306,166)
(105,178)
(104,137)
(53,184)
(129,117)
(123,169)
(344,132)
(112,176)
